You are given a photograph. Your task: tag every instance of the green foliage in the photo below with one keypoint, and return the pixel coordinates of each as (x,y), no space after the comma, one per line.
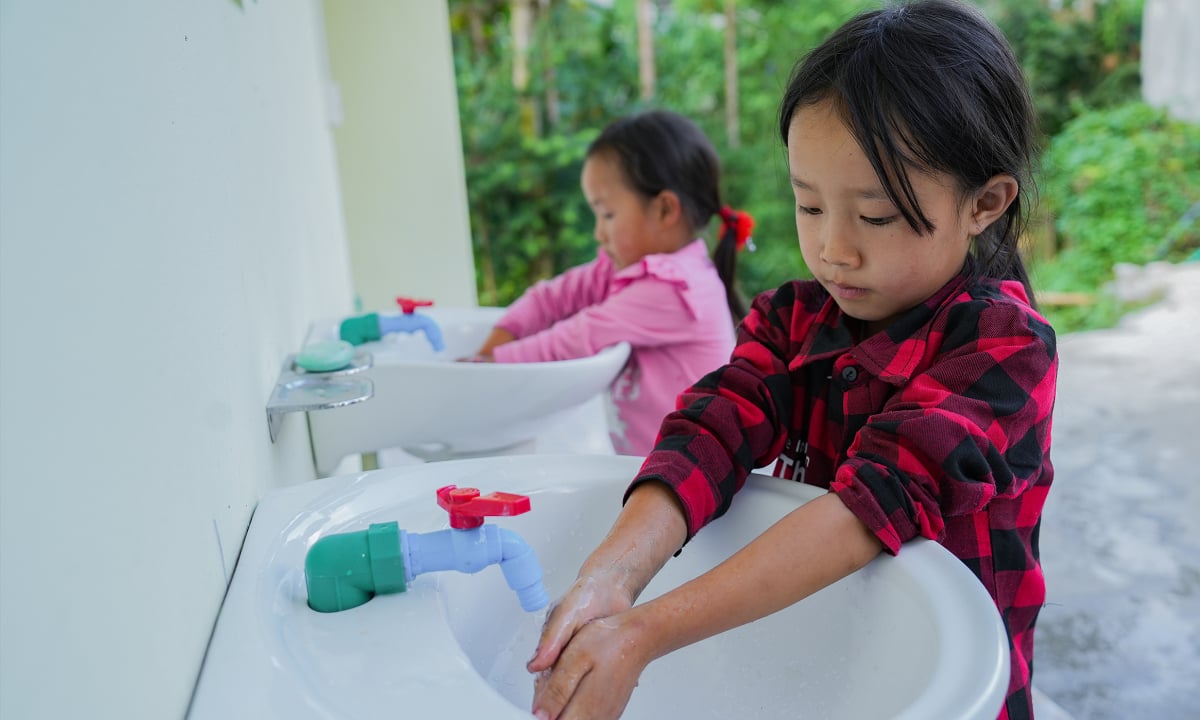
(771,38)
(528,217)
(1119,183)
(1071,64)
(1118,176)
(523,188)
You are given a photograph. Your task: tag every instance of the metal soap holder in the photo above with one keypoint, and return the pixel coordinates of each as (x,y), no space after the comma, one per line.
(299,390)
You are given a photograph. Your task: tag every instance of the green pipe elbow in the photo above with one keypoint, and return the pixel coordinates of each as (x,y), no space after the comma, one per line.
(361,329)
(346,570)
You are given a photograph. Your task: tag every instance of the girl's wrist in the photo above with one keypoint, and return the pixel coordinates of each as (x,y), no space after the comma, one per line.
(613,579)
(651,634)
(647,533)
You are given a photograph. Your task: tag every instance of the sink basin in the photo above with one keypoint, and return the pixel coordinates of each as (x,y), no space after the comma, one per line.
(427,402)
(913,636)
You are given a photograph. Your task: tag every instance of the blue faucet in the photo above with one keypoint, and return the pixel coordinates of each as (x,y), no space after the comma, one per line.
(372,326)
(346,570)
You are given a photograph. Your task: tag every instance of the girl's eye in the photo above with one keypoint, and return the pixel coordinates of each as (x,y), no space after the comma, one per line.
(808,210)
(878,222)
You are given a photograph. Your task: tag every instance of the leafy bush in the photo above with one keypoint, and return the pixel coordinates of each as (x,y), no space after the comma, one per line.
(524,152)
(1071,64)
(528,217)
(1119,183)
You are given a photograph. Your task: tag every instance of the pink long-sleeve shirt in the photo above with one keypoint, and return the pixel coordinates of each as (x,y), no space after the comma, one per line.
(669,307)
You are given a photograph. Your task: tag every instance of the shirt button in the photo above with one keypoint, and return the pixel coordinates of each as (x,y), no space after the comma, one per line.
(850,374)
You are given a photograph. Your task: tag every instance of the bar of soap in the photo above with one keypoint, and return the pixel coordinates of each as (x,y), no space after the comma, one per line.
(325,356)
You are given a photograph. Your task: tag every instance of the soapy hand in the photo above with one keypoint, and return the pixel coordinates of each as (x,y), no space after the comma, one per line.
(595,644)
(590,599)
(595,673)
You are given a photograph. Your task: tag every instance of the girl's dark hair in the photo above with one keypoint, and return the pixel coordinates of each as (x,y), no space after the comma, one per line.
(930,86)
(661,150)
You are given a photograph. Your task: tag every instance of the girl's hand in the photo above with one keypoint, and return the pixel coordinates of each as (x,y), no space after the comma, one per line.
(596,673)
(498,336)
(579,652)
(590,598)
(594,666)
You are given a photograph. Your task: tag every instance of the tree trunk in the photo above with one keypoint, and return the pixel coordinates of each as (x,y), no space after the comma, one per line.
(732,129)
(548,75)
(522,35)
(1086,9)
(487,269)
(475,26)
(543,266)
(647,75)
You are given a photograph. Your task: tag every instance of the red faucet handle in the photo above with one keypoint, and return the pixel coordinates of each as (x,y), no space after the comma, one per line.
(408,305)
(467,509)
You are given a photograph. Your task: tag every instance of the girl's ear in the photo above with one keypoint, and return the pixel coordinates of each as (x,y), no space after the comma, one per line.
(992,200)
(667,208)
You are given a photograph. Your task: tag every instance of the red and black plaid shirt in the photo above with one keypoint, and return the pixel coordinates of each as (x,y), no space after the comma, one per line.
(938,426)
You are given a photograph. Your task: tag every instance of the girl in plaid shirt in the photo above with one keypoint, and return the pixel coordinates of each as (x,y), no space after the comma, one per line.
(912,377)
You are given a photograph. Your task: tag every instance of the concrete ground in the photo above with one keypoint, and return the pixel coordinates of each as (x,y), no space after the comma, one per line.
(1120,634)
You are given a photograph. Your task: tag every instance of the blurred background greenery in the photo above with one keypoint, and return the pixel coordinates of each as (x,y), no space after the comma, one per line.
(537,79)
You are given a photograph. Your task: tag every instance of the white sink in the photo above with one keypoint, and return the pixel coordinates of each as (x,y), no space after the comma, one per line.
(914,636)
(426,400)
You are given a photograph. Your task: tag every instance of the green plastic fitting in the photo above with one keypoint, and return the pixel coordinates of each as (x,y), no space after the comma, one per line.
(346,570)
(361,329)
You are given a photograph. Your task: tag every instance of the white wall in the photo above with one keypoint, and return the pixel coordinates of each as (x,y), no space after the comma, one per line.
(1171,56)
(400,152)
(169,223)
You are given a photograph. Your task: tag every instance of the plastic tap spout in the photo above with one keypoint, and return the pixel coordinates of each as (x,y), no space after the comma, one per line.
(411,323)
(522,571)
(474,549)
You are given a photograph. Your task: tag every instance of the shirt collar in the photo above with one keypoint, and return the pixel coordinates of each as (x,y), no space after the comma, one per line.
(892,354)
(664,266)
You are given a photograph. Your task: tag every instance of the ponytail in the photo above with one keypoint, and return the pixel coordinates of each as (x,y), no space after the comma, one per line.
(662,150)
(734,235)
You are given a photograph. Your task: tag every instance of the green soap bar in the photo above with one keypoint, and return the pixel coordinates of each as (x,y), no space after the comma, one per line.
(325,356)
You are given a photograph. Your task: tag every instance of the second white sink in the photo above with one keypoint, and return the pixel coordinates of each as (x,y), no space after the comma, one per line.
(426,398)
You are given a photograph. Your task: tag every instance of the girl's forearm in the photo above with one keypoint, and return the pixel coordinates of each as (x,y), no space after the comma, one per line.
(812,547)
(649,530)
(498,336)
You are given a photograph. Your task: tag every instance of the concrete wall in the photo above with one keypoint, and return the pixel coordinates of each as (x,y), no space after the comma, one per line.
(1171,56)
(170,222)
(400,152)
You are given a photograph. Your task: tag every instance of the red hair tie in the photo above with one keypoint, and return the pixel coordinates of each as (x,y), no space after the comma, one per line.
(742,225)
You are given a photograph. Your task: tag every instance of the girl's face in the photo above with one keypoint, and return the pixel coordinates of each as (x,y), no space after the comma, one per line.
(628,226)
(853,239)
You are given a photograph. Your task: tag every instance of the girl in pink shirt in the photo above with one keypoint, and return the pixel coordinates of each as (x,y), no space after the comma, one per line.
(652,181)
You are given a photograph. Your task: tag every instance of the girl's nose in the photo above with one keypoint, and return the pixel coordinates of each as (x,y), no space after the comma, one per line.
(837,245)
